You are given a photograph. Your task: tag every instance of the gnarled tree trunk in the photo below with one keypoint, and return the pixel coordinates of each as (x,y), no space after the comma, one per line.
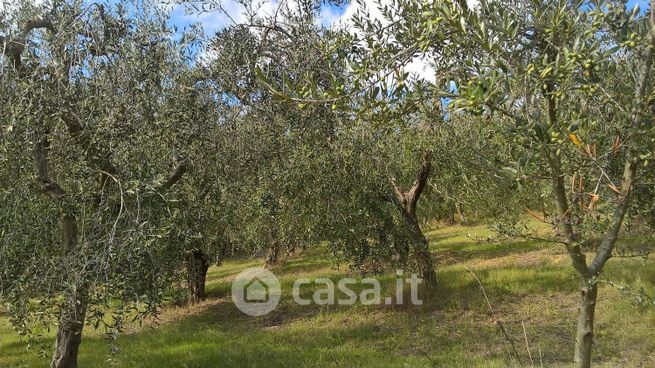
(460,213)
(406,202)
(69,335)
(197,265)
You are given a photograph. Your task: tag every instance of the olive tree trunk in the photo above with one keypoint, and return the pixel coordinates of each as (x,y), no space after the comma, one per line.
(197,265)
(273,255)
(421,251)
(73,313)
(460,213)
(69,335)
(407,201)
(584,336)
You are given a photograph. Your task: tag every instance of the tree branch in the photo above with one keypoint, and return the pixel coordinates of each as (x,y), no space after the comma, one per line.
(14,46)
(604,252)
(48,186)
(407,200)
(414,193)
(95,157)
(177,174)
(559,193)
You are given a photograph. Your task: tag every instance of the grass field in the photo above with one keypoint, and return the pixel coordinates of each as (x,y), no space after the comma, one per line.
(530,285)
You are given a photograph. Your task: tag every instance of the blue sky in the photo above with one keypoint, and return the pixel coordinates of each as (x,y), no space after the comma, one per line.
(215,21)
(330,15)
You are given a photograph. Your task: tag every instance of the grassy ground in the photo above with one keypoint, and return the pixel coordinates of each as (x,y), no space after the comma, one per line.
(531,286)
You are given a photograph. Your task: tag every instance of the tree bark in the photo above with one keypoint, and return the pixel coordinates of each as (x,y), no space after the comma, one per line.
(584,337)
(69,335)
(422,253)
(71,320)
(460,213)
(197,266)
(407,202)
(273,255)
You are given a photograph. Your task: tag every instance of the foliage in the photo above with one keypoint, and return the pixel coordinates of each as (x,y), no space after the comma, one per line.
(88,155)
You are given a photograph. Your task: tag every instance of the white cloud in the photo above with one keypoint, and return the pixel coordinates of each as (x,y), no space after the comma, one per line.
(419,67)
(231,12)
(330,16)
(211,21)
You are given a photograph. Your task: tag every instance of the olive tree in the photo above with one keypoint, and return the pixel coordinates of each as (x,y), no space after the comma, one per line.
(588,125)
(86,166)
(392,145)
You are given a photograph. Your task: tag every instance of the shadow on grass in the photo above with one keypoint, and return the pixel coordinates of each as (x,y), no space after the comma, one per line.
(451,324)
(451,329)
(464,251)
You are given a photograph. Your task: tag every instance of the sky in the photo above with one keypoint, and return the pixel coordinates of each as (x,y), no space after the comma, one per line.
(215,21)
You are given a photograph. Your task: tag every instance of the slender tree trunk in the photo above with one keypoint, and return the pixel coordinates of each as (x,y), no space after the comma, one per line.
(291,248)
(586,273)
(585,332)
(197,266)
(462,218)
(273,255)
(407,202)
(71,320)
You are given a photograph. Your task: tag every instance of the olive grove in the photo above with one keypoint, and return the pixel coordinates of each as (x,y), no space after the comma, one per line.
(134,156)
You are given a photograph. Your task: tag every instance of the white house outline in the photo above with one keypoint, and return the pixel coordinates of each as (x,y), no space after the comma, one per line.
(256,291)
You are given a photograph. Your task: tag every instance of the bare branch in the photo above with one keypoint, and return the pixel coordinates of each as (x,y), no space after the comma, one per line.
(177,174)
(414,193)
(407,200)
(14,46)
(47,185)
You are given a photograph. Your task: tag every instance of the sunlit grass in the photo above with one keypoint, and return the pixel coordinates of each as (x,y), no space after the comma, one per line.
(529,284)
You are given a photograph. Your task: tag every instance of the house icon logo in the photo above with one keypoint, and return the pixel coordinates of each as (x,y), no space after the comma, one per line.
(256,291)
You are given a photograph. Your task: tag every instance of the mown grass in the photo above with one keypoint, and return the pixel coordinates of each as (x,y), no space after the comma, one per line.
(530,285)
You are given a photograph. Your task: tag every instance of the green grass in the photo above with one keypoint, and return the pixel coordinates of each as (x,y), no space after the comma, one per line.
(529,284)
